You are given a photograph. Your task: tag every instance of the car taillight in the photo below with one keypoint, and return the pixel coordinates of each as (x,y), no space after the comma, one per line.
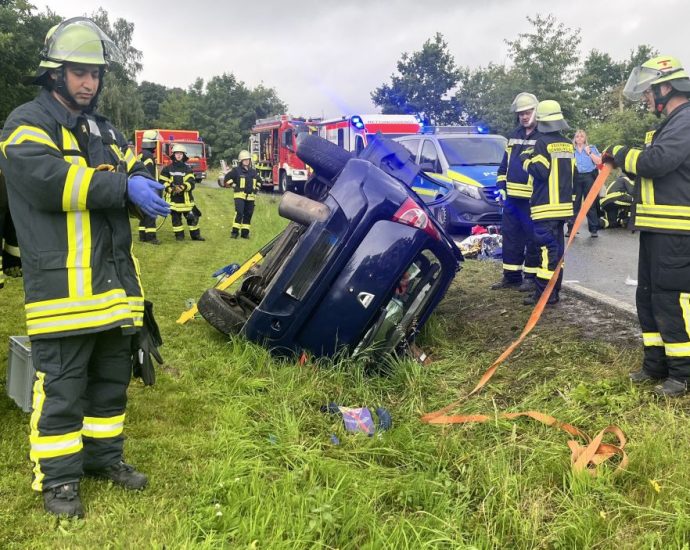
(411,214)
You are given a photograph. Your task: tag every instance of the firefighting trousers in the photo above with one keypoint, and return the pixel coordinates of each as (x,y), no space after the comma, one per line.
(519,252)
(548,236)
(79,399)
(192,224)
(244,209)
(582,185)
(663,304)
(147,228)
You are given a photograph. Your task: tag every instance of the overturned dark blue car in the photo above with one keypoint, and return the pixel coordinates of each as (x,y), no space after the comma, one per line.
(361,266)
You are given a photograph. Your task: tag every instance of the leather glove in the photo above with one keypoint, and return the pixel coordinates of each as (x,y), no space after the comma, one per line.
(143,192)
(145,347)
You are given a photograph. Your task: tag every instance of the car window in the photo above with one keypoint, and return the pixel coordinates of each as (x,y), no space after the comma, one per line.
(429,188)
(412,145)
(412,293)
(429,157)
(475,150)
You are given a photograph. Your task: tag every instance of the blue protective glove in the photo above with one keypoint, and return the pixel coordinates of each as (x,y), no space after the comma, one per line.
(144,193)
(501,196)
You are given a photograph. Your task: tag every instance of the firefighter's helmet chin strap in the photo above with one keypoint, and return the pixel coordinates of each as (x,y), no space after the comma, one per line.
(61,88)
(660,101)
(532,118)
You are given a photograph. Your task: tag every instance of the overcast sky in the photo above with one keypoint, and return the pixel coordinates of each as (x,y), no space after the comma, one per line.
(326,56)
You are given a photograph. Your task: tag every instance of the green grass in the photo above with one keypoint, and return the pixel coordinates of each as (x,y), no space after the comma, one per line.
(239,455)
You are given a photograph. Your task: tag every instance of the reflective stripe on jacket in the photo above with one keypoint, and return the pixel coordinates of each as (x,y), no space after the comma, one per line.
(178,174)
(551,170)
(68,205)
(245,183)
(511,175)
(662,188)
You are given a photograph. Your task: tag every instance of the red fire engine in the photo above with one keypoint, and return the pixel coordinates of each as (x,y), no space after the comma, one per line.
(197,150)
(273,144)
(353,133)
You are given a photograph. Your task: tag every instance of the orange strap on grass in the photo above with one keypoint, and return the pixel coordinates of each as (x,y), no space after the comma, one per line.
(584,457)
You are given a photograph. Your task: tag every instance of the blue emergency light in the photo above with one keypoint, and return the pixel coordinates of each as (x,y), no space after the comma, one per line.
(357,122)
(482,130)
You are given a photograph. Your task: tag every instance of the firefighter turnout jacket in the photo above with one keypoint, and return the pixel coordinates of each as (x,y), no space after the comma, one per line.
(67,182)
(551,167)
(662,190)
(244,181)
(178,179)
(511,174)
(149,161)
(620,192)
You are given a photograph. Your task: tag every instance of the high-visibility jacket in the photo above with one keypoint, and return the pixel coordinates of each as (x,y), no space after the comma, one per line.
(662,187)
(551,167)
(245,182)
(620,192)
(149,161)
(70,209)
(178,175)
(511,174)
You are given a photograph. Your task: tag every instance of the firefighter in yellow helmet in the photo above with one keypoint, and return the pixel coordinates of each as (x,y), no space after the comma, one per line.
(245,182)
(551,166)
(520,255)
(661,213)
(70,180)
(179,182)
(149,144)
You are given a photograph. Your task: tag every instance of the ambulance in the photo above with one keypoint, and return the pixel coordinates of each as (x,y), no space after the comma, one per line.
(353,133)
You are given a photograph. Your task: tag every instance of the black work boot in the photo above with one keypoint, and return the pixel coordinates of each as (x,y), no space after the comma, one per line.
(63,500)
(528,285)
(671,388)
(532,299)
(142,236)
(640,376)
(122,474)
(234,235)
(505,283)
(197,237)
(179,236)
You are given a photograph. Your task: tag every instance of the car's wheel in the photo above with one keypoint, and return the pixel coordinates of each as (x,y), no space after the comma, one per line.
(284,182)
(222,311)
(325,158)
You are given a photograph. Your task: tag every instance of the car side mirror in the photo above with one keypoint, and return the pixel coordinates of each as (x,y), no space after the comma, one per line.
(427,167)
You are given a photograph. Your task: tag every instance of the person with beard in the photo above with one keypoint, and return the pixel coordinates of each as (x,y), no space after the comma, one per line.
(71,184)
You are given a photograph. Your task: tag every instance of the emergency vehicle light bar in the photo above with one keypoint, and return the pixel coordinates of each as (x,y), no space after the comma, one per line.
(454,130)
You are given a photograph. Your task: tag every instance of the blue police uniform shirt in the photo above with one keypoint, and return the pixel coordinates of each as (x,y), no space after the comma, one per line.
(582,160)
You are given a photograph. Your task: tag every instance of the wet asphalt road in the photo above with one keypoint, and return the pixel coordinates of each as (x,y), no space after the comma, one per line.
(605,263)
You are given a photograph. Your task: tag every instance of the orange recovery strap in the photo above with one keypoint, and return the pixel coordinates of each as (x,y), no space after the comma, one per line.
(583,457)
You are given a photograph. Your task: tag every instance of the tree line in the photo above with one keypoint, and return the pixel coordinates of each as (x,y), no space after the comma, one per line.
(223,109)
(545,61)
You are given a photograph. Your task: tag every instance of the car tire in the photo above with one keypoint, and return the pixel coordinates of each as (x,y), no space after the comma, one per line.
(222,311)
(326,158)
(284,182)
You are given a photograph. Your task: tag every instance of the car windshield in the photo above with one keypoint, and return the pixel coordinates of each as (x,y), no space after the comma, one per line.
(464,151)
(194,149)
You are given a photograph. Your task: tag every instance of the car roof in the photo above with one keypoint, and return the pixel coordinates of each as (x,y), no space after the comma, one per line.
(446,136)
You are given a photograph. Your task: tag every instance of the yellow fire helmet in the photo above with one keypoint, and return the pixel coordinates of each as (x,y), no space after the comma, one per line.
(77,40)
(149,139)
(549,117)
(524,101)
(657,70)
(244,155)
